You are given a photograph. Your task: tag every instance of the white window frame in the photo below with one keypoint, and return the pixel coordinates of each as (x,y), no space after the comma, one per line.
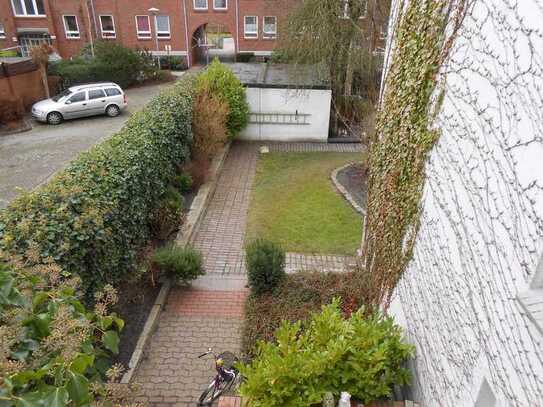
(160,34)
(143,35)
(71,35)
(25,12)
(200,8)
(106,34)
(220,8)
(2,31)
(269,35)
(532,299)
(245,32)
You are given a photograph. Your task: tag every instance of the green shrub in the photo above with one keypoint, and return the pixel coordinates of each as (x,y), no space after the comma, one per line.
(53,348)
(112,62)
(93,216)
(363,356)
(167,216)
(183,182)
(265,265)
(173,62)
(181,263)
(220,81)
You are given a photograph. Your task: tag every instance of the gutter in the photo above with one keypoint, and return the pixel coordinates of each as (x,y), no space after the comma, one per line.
(237,28)
(94,18)
(189,46)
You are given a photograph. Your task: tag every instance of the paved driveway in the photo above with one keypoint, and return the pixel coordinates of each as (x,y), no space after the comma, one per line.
(29,159)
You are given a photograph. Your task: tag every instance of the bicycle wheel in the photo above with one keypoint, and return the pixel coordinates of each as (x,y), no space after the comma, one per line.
(213,392)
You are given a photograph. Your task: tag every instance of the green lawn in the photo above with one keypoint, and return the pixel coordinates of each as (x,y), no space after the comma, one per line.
(294,203)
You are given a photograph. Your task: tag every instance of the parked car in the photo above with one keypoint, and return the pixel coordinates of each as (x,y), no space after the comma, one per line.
(81,101)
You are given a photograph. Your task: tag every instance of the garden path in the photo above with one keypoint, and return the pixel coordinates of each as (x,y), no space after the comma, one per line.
(210,313)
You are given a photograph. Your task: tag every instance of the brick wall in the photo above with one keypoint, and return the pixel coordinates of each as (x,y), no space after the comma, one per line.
(22,84)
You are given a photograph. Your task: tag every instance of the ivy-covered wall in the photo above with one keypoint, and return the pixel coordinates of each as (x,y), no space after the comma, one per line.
(481,231)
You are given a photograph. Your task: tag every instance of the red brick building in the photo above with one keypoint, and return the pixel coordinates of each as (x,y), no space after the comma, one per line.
(171,29)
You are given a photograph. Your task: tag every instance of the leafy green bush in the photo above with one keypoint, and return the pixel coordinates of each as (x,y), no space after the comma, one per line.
(93,216)
(183,182)
(181,263)
(363,356)
(54,351)
(112,62)
(265,265)
(167,216)
(173,62)
(221,82)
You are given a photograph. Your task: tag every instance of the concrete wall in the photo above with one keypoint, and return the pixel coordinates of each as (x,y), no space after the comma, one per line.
(482,227)
(313,102)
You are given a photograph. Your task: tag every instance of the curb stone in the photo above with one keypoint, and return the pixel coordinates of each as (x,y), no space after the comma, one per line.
(344,191)
(184,237)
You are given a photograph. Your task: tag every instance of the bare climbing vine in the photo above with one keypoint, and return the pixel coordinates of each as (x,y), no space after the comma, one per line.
(423,35)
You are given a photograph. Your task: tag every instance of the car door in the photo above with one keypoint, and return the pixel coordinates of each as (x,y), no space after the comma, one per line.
(97,101)
(76,106)
(114,95)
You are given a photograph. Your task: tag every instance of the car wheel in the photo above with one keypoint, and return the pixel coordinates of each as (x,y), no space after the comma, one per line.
(54,118)
(113,111)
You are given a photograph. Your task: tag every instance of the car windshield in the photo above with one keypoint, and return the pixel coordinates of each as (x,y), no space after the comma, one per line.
(61,95)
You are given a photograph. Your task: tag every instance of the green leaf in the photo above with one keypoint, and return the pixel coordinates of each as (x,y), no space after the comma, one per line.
(78,388)
(119,322)
(39,299)
(58,397)
(81,363)
(111,341)
(33,399)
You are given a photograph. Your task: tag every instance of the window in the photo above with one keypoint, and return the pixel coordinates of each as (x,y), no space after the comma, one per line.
(78,97)
(2,31)
(112,92)
(28,8)
(200,4)
(251,27)
(70,26)
(270,27)
(96,94)
(220,4)
(486,397)
(162,26)
(532,299)
(143,27)
(107,25)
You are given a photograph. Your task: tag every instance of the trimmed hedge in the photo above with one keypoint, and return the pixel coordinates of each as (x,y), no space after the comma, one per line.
(93,216)
(112,62)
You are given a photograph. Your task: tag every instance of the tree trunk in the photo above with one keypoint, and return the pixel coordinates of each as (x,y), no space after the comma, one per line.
(45,82)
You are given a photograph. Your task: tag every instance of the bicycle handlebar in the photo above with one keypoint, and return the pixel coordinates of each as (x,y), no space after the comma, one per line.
(209,352)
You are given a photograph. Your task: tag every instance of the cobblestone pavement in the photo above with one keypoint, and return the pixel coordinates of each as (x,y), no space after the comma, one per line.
(193,321)
(211,315)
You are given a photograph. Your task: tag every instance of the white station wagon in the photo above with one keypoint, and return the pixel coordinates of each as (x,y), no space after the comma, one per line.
(81,101)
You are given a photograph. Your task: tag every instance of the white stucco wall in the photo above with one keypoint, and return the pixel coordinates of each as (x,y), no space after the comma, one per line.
(313,102)
(482,227)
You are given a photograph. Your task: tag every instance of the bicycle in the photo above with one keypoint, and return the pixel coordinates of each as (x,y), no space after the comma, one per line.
(227,375)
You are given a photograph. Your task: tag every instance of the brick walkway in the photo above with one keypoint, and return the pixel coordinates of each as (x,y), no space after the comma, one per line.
(211,315)
(193,321)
